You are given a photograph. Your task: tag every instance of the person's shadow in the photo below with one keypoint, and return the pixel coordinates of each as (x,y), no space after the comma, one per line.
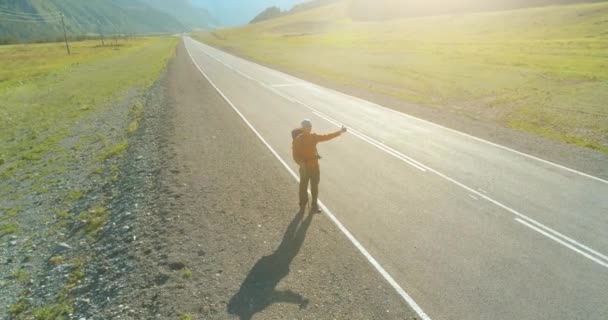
(258,291)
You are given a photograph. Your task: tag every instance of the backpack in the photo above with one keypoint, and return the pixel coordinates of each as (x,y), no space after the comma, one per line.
(294,134)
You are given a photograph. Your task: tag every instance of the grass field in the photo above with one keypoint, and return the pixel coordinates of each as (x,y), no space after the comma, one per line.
(541,70)
(44,97)
(64,123)
(44,92)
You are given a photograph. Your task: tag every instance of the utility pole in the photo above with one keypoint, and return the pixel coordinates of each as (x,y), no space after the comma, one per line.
(65,35)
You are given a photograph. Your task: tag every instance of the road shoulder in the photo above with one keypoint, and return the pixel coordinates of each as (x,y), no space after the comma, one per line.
(224,237)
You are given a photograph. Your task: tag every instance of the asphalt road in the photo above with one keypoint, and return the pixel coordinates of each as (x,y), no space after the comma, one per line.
(466,228)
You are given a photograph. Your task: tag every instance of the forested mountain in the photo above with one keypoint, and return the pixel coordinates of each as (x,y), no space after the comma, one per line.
(39,20)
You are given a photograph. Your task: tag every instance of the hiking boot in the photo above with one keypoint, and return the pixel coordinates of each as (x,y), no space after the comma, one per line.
(315,209)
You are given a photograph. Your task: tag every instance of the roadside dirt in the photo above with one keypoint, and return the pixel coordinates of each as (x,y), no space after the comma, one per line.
(220,235)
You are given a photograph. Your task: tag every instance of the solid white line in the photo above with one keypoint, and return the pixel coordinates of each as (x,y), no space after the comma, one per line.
(409,300)
(288,85)
(423,166)
(371,140)
(361,136)
(475,138)
(356,133)
(521,215)
(585,254)
(284,76)
(419,119)
(246,76)
(284,96)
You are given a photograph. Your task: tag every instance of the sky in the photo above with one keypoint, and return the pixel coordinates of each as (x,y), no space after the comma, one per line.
(240,12)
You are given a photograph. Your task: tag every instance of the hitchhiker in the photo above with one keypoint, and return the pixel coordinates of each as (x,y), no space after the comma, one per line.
(305,154)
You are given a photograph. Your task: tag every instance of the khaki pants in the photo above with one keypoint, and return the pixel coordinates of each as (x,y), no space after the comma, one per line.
(312,175)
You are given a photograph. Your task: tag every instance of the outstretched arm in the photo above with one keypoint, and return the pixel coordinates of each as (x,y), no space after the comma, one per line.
(326,137)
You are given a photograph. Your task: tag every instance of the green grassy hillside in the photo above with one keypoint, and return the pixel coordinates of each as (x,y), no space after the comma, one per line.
(390,9)
(34,122)
(37,20)
(541,70)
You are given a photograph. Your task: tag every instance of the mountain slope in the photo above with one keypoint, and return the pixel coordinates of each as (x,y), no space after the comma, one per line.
(392,9)
(240,12)
(191,16)
(275,12)
(269,13)
(34,20)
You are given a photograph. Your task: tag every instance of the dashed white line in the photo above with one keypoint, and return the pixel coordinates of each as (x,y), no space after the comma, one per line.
(283,85)
(371,141)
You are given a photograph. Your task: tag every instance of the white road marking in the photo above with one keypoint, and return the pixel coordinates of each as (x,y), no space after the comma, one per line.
(473,197)
(371,141)
(243,74)
(299,84)
(284,96)
(398,154)
(563,243)
(356,133)
(409,300)
(280,74)
(478,139)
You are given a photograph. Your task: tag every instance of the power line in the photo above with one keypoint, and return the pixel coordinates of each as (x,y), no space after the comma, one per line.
(28,15)
(14,16)
(4,7)
(30,21)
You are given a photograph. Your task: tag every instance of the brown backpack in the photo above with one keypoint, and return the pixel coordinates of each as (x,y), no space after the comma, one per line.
(294,134)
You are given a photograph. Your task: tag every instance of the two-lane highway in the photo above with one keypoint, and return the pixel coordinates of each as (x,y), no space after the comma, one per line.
(466,228)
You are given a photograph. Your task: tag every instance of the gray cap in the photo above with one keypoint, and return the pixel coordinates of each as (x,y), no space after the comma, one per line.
(306,123)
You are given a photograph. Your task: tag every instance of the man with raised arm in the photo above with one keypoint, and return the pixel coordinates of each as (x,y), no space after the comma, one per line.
(304,147)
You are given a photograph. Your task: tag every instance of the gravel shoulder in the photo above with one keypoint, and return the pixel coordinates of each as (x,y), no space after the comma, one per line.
(219,235)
